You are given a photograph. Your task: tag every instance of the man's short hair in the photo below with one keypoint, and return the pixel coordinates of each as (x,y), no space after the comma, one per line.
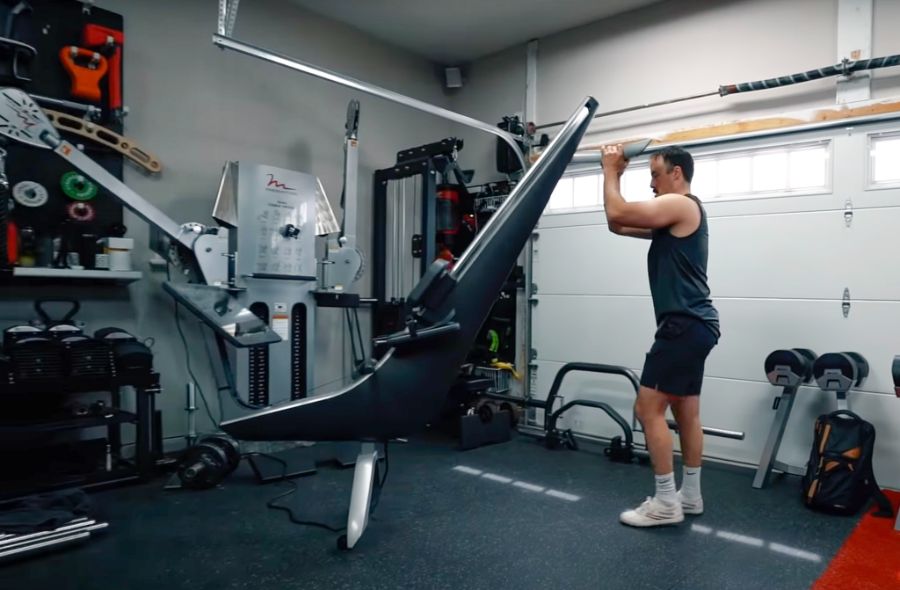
(675,155)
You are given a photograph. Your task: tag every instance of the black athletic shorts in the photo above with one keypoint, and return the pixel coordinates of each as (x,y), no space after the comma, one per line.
(677,358)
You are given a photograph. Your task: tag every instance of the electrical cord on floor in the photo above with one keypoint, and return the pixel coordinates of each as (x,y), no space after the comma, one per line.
(293,488)
(187,358)
(376,493)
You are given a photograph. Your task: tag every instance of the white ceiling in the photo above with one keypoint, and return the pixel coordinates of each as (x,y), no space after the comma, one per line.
(452,32)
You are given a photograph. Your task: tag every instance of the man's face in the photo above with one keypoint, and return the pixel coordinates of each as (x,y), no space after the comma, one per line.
(662,180)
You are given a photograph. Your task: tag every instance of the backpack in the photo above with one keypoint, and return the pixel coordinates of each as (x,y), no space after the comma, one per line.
(839,478)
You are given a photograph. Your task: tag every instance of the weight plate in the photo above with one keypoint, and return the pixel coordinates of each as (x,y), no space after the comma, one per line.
(29,193)
(202,467)
(228,446)
(80,211)
(77,186)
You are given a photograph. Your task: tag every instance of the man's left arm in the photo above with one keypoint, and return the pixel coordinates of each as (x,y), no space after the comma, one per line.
(662,211)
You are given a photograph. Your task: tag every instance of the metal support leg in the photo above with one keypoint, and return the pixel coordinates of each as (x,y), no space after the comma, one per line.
(361,497)
(842,400)
(770,451)
(144,432)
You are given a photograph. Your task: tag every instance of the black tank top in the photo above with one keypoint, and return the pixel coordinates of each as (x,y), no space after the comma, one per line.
(677,268)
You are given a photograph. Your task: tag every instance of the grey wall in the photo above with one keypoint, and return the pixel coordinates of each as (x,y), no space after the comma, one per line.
(683,48)
(196,106)
(675,49)
(492,88)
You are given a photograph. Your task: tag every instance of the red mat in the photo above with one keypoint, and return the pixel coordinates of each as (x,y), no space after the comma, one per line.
(869,558)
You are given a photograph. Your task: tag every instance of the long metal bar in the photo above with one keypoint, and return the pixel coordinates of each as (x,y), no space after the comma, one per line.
(306,68)
(637,108)
(429,217)
(845,68)
(77,536)
(74,523)
(721,432)
(88,525)
(137,204)
(591,156)
(92,112)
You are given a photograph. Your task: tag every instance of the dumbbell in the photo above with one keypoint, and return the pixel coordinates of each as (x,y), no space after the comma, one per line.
(209,462)
(790,368)
(839,371)
(132,358)
(14,334)
(895,372)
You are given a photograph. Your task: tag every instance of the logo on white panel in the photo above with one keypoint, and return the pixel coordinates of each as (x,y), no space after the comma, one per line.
(275,185)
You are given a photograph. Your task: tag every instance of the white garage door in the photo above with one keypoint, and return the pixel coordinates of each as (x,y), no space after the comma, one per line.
(784,247)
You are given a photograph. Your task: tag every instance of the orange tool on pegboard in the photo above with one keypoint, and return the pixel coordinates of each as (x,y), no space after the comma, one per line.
(85,78)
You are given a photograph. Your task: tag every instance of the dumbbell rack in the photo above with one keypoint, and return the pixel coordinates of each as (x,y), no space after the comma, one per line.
(115,471)
(834,371)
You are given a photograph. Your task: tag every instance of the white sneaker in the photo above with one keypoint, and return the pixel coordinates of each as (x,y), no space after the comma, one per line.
(653,512)
(690,506)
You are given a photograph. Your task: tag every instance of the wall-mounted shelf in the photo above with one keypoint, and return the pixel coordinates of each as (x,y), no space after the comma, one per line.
(125,276)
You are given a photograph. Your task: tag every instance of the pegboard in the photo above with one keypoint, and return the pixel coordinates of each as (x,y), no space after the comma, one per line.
(48,26)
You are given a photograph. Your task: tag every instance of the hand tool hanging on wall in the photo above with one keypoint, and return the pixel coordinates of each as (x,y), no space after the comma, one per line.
(17,70)
(18,56)
(125,146)
(85,78)
(88,111)
(110,42)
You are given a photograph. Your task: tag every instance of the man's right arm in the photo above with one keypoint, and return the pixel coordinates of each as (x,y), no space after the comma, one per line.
(631,232)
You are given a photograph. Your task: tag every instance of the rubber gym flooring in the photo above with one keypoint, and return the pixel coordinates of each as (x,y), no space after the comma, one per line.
(513,515)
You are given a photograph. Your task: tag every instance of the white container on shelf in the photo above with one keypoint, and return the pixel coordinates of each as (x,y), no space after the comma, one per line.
(119,252)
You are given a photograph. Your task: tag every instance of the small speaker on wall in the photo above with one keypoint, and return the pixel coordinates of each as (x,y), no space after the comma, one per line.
(453,77)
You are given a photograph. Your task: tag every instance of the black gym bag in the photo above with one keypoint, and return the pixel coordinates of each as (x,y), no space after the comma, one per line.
(839,477)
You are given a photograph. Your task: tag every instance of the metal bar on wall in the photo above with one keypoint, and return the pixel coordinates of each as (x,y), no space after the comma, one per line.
(306,68)
(379,236)
(429,221)
(792,123)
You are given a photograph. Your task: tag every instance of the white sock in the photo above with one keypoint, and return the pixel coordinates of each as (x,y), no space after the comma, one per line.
(690,485)
(665,488)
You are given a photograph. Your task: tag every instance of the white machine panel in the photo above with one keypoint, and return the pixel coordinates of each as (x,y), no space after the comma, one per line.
(276,217)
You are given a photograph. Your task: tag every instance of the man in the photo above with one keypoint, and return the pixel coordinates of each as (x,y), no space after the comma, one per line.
(687,323)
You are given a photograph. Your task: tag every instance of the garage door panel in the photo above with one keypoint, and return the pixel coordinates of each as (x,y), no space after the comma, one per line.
(779,256)
(872,254)
(610,330)
(589,260)
(751,329)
